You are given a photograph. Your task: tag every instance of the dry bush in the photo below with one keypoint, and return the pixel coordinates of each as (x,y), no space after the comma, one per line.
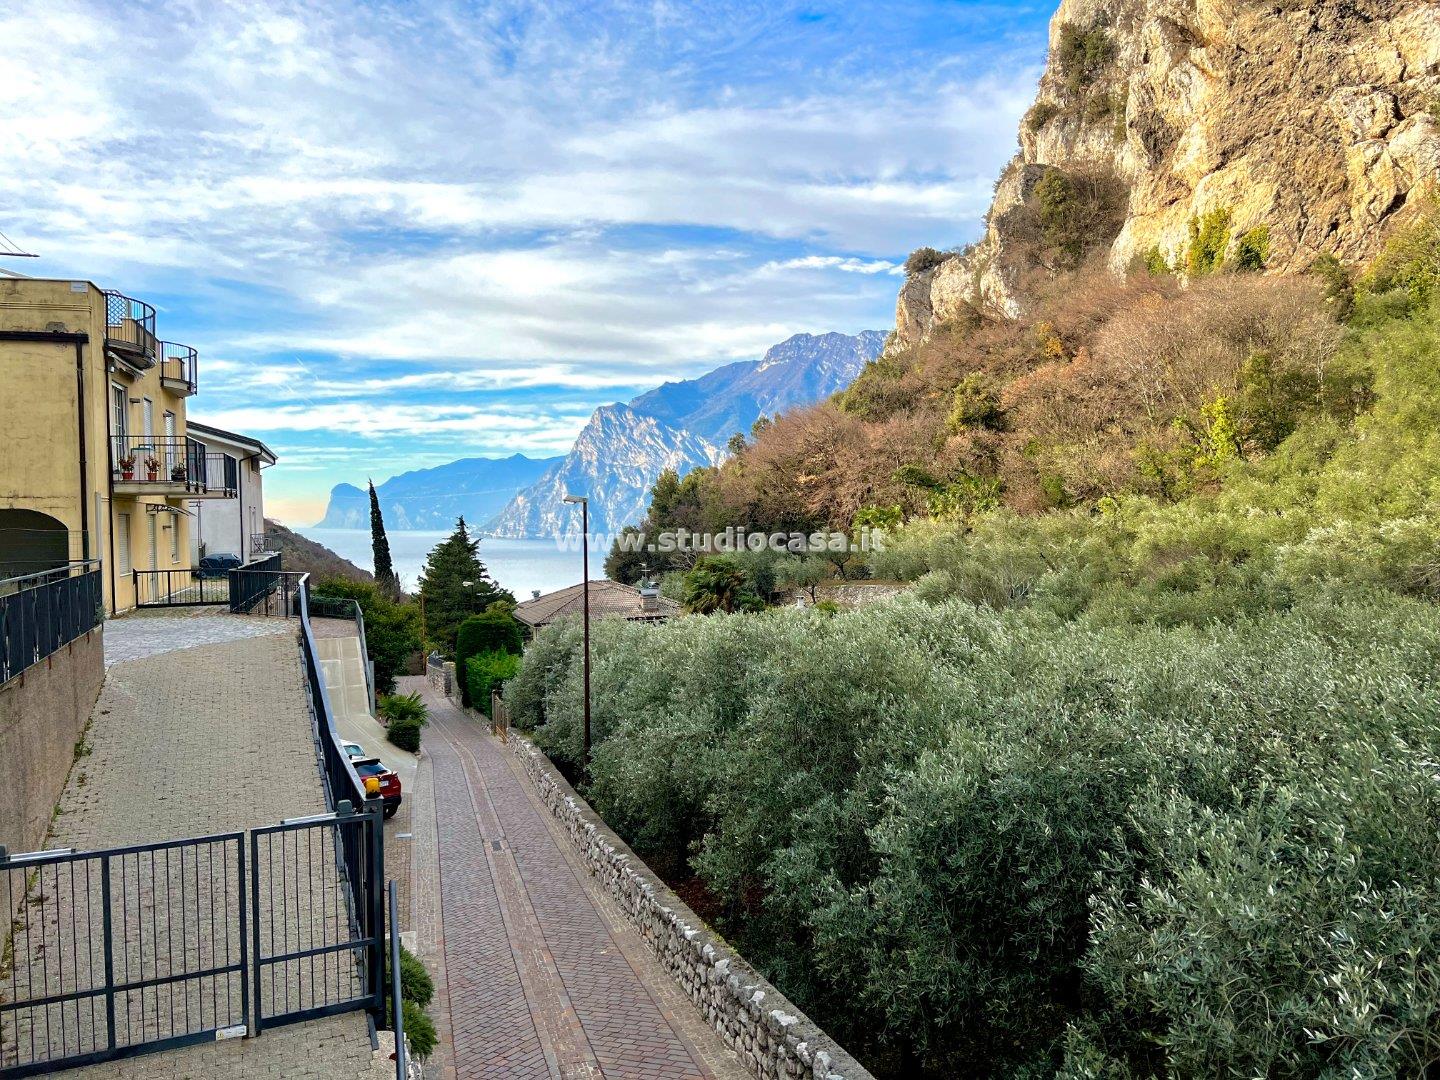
(1180,351)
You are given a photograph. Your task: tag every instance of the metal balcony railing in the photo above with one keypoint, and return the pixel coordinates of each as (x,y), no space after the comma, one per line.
(130,325)
(180,364)
(170,462)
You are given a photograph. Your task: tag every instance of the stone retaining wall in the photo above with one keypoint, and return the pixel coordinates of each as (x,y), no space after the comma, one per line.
(774,1039)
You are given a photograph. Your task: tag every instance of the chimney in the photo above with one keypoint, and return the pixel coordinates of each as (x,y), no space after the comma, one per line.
(534,594)
(649,597)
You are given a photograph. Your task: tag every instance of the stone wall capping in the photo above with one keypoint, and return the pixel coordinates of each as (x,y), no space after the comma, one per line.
(725,990)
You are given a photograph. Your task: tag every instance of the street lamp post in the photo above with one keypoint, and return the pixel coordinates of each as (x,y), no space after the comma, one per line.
(585,612)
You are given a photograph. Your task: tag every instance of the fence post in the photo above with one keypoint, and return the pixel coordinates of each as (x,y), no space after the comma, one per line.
(109,934)
(250,1029)
(395,997)
(255,929)
(376,899)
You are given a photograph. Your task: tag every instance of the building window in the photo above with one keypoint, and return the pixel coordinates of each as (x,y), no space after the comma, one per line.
(122,542)
(154,542)
(119,420)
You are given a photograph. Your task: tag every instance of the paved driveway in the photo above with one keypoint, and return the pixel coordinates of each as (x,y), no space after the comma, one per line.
(543,976)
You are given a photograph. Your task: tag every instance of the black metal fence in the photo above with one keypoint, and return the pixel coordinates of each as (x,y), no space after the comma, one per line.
(255,582)
(181,588)
(319,927)
(45,612)
(129,323)
(114,952)
(172,464)
(179,364)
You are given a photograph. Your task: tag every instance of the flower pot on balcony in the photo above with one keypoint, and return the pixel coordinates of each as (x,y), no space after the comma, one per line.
(152,474)
(127,474)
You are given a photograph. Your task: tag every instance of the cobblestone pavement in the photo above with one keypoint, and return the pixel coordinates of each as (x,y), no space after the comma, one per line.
(150,633)
(543,977)
(190,740)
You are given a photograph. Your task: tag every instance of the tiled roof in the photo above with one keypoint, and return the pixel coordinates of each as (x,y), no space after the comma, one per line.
(607,599)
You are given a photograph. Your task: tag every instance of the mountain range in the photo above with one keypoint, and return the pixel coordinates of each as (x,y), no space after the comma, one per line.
(621,451)
(478,488)
(680,425)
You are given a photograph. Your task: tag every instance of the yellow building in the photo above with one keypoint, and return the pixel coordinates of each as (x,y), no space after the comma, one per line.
(96,463)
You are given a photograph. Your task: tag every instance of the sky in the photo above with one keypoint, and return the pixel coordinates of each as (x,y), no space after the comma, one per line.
(405,233)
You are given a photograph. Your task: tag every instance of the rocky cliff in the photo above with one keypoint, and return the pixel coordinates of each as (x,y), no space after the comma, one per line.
(681,425)
(1276,132)
(615,461)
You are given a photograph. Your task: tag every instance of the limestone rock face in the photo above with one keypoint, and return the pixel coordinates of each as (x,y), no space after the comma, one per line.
(1317,119)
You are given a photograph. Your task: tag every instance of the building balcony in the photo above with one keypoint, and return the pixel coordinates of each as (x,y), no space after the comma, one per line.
(130,329)
(171,467)
(178,368)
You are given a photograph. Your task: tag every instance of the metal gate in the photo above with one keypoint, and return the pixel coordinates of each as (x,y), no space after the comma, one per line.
(115,952)
(319,927)
(134,949)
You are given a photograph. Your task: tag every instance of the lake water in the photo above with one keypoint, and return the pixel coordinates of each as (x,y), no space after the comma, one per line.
(518,565)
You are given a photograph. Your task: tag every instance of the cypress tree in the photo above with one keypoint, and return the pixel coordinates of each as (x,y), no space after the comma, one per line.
(448,600)
(385,578)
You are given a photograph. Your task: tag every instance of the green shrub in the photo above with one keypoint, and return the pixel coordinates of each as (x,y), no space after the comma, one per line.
(975,406)
(1209,240)
(419,1029)
(1041,113)
(494,630)
(405,734)
(1007,841)
(1252,250)
(925,258)
(1339,287)
(485,672)
(415,982)
(1155,263)
(1409,264)
(1082,54)
(404,707)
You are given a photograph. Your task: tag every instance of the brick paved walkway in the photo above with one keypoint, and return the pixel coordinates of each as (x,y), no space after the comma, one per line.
(188,740)
(543,976)
(151,633)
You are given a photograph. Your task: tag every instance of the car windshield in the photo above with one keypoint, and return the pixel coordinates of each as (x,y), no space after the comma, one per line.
(373,768)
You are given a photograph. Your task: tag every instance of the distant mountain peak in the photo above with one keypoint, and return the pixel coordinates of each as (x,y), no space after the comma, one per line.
(682,426)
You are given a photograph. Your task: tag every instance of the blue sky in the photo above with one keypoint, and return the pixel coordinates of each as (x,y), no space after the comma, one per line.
(405,233)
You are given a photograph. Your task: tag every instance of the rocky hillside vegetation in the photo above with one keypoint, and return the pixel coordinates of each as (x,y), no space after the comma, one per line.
(1138,780)
(1207,193)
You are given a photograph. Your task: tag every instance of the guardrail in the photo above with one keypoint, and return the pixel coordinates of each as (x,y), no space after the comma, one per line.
(130,324)
(172,462)
(44,611)
(180,363)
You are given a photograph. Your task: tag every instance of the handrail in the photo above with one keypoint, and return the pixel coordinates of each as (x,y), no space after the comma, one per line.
(332,749)
(180,363)
(130,322)
(68,570)
(396,1002)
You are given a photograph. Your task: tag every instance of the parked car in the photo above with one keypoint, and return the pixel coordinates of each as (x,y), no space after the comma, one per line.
(353,750)
(219,565)
(389,781)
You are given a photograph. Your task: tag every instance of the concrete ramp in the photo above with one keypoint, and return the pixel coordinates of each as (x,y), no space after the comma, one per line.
(343,668)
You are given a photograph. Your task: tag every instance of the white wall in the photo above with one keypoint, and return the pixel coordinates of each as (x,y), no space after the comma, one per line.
(226,525)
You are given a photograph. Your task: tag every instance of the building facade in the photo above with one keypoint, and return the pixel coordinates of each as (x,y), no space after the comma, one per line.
(99,463)
(231,526)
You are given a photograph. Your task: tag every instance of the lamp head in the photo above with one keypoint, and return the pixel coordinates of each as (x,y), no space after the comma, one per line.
(575,499)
